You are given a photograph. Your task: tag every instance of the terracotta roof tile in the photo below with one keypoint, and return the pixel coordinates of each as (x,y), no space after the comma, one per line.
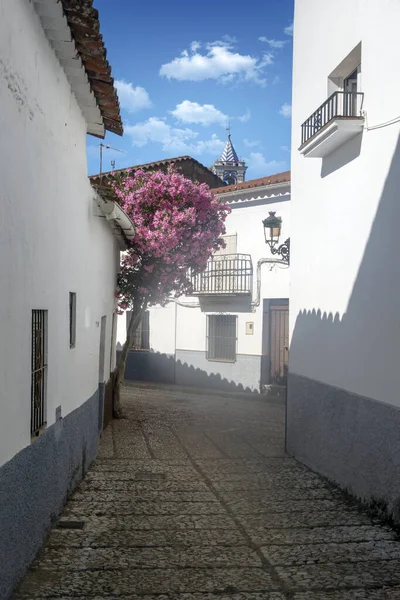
(191,168)
(145,167)
(253,183)
(83,21)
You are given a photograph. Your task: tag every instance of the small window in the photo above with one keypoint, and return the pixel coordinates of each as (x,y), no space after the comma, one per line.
(221,338)
(141,338)
(38,371)
(72,319)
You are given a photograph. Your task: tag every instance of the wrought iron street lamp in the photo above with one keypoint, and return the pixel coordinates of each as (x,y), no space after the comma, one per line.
(272,232)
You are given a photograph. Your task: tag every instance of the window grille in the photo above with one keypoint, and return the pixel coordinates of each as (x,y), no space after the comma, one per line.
(141,338)
(221,338)
(39,371)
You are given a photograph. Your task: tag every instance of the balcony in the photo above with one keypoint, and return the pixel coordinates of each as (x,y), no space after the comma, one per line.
(336,121)
(225,275)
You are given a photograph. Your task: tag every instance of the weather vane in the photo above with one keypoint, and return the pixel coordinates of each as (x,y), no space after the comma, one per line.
(229,128)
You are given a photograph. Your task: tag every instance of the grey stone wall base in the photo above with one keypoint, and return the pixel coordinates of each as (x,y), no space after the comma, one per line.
(142,365)
(351,440)
(34,486)
(243,375)
(191,368)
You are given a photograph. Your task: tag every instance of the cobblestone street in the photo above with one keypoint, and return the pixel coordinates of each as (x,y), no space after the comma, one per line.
(193,498)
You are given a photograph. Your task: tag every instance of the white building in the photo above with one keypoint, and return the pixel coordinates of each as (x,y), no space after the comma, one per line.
(58,266)
(344,378)
(233,333)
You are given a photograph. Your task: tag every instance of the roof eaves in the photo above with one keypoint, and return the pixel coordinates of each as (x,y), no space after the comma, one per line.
(83,21)
(97,178)
(278,178)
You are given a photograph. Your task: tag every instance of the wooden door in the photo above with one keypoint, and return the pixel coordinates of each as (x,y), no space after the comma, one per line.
(279,342)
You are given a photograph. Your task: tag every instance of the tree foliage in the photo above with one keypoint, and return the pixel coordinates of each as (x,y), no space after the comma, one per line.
(178,224)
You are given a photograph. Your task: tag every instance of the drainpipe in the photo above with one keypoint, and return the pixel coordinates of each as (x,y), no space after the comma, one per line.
(185,304)
(261,262)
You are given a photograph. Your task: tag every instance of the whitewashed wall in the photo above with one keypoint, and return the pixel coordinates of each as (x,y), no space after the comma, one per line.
(51,242)
(245,221)
(345,210)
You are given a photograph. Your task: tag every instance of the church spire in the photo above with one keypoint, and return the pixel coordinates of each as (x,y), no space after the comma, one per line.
(229,153)
(229,167)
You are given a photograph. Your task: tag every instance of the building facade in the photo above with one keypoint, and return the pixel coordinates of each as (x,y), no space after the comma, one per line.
(343,416)
(58,267)
(233,333)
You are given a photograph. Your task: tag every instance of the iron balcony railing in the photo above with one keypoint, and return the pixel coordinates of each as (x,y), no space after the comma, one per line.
(345,105)
(225,274)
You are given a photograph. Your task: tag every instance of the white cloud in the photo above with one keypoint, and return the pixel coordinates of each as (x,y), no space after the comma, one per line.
(201,114)
(204,114)
(251,144)
(273,43)
(259,167)
(157,130)
(172,139)
(132,98)
(286,110)
(245,118)
(229,38)
(285,148)
(289,29)
(194,46)
(218,61)
(266,60)
(212,146)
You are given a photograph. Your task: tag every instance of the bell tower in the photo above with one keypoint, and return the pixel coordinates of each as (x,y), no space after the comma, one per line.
(229,168)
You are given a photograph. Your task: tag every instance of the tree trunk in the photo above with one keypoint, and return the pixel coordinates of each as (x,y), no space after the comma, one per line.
(119,372)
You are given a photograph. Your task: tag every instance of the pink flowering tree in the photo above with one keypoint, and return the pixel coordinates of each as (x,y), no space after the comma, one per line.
(178,225)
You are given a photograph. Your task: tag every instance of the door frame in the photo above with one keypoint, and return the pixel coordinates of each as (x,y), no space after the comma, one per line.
(266,356)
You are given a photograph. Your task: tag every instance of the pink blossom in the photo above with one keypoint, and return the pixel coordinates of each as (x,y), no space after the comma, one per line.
(148,268)
(178,225)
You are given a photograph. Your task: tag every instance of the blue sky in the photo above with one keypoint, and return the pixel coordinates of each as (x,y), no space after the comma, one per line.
(183,68)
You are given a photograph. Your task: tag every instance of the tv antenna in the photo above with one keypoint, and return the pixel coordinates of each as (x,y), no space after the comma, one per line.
(106,147)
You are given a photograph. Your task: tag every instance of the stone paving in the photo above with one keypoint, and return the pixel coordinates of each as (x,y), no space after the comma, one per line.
(193,498)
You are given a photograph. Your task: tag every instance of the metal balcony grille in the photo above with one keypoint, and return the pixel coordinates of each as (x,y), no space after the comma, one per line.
(345,105)
(39,370)
(225,274)
(221,338)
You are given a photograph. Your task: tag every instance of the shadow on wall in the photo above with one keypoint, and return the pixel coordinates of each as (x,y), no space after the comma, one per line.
(162,368)
(348,437)
(342,156)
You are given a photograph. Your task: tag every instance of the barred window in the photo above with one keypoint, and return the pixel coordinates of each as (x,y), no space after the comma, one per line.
(38,370)
(141,338)
(221,338)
